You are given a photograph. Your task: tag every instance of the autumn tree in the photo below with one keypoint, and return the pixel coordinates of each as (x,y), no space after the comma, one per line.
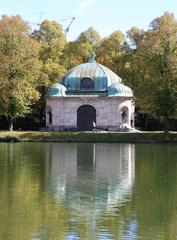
(76,52)
(111,50)
(52,41)
(135,35)
(91,36)
(19,68)
(155,64)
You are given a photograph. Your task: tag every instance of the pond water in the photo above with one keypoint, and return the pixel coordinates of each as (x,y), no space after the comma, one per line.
(53,191)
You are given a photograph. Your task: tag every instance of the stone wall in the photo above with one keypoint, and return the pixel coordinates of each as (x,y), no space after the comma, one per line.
(108,111)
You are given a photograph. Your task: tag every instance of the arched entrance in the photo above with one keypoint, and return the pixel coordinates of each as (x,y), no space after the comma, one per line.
(49,116)
(124,115)
(86,115)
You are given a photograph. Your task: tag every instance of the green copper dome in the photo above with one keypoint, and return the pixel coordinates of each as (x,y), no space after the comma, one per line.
(119,90)
(101,76)
(90,78)
(56,90)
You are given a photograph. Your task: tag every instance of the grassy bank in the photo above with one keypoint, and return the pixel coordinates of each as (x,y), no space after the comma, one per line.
(142,137)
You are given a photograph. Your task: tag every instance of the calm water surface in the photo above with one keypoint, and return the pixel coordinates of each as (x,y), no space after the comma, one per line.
(53,191)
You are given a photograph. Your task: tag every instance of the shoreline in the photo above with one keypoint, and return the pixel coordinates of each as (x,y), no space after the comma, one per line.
(109,137)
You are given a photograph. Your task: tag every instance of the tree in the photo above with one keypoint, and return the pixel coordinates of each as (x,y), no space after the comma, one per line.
(112,45)
(156,59)
(52,41)
(110,50)
(91,36)
(76,52)
(135,35)
(19,67)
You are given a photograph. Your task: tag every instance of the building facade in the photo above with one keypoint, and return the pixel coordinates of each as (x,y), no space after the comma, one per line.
(90,94)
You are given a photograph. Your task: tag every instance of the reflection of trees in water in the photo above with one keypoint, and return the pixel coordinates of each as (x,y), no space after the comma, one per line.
(25,207)
(127,219)
(155,204)
(28,207)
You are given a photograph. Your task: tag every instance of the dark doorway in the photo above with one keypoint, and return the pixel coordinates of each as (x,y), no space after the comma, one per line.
(86,115)
(50,117)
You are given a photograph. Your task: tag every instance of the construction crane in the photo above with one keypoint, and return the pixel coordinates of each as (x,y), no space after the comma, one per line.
(38,23)
(68,27)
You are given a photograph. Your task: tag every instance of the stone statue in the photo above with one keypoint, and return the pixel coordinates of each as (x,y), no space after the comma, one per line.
(124,117)
(91,57)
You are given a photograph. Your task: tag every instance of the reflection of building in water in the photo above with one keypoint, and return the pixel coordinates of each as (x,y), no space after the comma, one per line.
(62,166)
(91,177)
(115,165)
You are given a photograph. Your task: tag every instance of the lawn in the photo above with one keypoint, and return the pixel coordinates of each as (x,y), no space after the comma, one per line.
(140,137)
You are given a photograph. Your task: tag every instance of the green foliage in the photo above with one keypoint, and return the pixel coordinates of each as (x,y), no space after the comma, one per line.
(111,52)
(30,63)
(76,52)
(154,69)
(19,67)
(135,35)
(91,36)
(112,46)
(52,42)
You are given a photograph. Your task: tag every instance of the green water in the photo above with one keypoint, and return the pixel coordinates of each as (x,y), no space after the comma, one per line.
(71,191)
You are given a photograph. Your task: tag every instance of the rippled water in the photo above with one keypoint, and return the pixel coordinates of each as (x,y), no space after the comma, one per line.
(53,191)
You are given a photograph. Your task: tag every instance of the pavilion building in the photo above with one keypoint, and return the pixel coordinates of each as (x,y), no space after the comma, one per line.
(90,93)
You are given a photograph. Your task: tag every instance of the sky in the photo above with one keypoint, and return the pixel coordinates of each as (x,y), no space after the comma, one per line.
(106,16)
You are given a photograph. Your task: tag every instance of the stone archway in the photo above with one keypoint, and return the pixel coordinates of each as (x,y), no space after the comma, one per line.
(49,116)
(124,115)
(86,115)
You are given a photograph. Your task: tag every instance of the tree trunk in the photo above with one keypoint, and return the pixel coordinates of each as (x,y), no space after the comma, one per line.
(166,125)
(11,124)
(142,119)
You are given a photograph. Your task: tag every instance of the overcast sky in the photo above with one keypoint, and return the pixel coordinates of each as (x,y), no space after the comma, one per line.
(106,16)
